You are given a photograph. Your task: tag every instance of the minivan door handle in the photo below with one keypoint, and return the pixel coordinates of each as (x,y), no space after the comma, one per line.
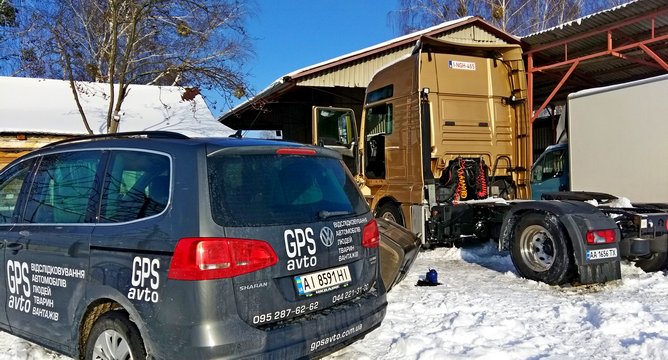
(15,246)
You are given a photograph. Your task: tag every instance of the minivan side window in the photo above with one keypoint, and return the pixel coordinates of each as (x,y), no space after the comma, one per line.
(62,188)
(136,186)
(11,182)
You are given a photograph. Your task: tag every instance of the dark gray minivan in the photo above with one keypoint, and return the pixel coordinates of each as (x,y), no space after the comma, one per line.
(154,245)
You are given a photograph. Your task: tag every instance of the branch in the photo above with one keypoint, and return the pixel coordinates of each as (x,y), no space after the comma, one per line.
(75,93)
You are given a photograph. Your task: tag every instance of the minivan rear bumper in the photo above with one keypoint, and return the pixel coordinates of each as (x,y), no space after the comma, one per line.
(313,335)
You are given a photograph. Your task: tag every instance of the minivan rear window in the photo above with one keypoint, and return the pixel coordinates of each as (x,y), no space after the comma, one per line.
(250,190)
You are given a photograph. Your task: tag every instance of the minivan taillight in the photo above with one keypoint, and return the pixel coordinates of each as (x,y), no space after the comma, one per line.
(217,258)
(370,236)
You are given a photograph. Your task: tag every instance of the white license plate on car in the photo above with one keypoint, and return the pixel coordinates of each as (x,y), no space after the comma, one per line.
(601,254)
(326,279)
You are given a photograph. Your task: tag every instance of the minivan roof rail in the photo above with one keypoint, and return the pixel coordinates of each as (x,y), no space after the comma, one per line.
(148,134)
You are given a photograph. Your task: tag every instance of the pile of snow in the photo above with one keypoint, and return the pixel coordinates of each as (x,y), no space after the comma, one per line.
(47,106)
(620,202)
(484,310)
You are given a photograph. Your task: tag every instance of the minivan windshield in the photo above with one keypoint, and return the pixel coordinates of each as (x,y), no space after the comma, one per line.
(252,190)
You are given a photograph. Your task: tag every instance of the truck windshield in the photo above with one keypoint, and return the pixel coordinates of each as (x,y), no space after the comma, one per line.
(550,167)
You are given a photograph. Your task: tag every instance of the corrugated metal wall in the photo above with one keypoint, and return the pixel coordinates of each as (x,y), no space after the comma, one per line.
(358,74)
(543,134)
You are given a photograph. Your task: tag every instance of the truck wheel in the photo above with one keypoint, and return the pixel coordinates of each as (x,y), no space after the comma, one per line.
(390,212)
(114,337)
(655,262)
(540,250)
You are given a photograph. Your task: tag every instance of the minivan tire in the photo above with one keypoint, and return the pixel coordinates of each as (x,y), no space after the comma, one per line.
(115,337)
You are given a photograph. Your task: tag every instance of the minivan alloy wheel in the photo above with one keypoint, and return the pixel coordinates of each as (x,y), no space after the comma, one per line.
(115,337)
(111,345)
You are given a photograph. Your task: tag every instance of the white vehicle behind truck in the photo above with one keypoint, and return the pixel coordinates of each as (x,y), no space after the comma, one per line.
(615,145)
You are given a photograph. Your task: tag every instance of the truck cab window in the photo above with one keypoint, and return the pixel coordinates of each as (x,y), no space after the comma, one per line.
(379,120)
(335,127)
(379,123)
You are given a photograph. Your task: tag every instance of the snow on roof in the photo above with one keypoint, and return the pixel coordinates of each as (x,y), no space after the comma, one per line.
(47,106)
(415,34)
(601,89)
(578,21)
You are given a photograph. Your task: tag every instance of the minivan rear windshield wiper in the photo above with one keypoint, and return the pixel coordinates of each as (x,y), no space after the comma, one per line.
(324,214)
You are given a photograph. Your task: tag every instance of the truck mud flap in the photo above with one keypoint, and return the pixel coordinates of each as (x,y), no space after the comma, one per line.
(398,250)
(600,273)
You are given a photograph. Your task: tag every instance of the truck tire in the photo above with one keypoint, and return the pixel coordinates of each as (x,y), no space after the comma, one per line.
(390,212)
(114,337)
(654,262)
(541,251)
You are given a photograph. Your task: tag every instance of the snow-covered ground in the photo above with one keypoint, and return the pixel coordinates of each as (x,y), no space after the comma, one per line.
(484,310)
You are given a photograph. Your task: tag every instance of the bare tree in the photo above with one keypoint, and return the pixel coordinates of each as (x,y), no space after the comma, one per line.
(8,19)
(193,43)
(519,17)
(7,13)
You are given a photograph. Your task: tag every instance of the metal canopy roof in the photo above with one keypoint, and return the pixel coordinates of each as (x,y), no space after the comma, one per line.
(625,43)
(354,70)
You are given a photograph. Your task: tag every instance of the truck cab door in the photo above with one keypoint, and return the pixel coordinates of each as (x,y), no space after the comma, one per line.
(336,129)
(550,173)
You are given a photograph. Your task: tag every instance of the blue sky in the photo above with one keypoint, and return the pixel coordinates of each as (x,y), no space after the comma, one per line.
(292,34)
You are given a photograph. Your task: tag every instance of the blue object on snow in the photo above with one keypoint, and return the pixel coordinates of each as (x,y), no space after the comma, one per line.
(432,277)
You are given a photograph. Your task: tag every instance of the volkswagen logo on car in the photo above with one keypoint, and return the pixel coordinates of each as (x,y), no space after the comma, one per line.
(327,236)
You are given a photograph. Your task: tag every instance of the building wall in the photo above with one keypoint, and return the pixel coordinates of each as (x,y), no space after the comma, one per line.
(11,147)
